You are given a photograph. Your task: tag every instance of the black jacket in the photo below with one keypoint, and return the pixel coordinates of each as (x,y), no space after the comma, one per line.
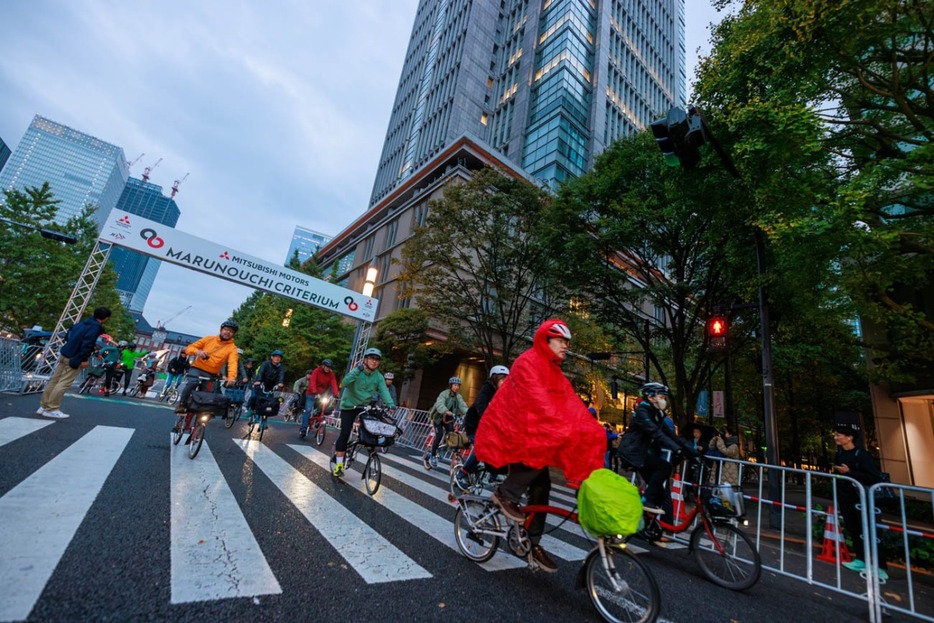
(270,375)
(863,469)
(647,431)
(178,365)
(475,412)
(79,343)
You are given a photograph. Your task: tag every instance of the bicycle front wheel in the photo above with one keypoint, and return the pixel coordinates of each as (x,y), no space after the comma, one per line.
(179,430)
(320,432)
(262,427)
(726,555)
(475,525)
(233,413)
(197,438)
(623,589)
(372,473)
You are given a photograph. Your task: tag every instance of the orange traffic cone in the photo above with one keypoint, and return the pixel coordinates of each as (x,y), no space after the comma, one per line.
(677,500)
(832,536)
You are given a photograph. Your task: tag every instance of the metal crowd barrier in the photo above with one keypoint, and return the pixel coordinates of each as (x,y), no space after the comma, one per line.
(17,367)
(798,536)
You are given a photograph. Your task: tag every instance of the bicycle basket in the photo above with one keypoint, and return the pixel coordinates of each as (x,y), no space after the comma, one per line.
(235,395)
(208,402)
(376,432)
(723,500)
(267,405)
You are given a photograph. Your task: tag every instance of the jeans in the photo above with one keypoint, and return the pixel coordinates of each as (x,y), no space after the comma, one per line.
(173,378)
(311,404)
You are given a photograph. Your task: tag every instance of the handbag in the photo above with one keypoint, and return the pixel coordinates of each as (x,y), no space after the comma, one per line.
(208,402)
(267,405)
(456,440)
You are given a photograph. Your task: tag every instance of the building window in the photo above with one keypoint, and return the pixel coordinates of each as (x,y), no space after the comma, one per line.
(483,118)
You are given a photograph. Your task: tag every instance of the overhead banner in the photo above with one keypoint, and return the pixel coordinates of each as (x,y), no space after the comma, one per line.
(171,245)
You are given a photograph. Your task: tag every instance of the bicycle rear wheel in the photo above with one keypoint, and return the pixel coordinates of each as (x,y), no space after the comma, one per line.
(623,589)
(179,430)
(372,473)
(474,523)
(726,556)
(197,438)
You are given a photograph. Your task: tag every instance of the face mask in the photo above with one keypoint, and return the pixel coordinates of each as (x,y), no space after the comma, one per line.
(662,404)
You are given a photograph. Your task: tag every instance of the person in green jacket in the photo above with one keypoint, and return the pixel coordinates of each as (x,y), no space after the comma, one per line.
(359,387)
(128,358)
(449,405)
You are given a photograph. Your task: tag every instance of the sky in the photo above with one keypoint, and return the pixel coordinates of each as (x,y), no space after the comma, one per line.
(275,110)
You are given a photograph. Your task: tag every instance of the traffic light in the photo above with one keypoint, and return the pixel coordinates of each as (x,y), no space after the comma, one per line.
(718,329)
(679,137)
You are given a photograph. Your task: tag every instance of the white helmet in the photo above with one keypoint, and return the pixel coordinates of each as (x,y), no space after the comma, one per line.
(498,370)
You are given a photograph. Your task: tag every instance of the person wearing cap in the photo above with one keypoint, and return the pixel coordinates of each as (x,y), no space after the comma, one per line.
(359,387)
(855,461)
(448,405)
(270,377)
(536,420)
(321,380)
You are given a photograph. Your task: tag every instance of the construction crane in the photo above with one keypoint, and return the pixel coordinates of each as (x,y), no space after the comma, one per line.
(175,185)
(149,169)
(161,325)
(129,165)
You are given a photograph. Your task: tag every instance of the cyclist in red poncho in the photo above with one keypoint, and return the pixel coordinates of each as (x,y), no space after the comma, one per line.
(534,421)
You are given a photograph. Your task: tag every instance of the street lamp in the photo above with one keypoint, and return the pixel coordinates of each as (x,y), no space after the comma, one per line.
(51,234)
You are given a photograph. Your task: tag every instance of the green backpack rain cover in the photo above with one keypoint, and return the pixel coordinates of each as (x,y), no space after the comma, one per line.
(608,504)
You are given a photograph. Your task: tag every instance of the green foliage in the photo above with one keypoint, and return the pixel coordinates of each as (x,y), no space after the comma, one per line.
(37,275)
(476,265)
(403,338)
(311,334)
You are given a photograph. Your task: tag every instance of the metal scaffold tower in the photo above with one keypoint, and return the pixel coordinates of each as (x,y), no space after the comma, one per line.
(74,310)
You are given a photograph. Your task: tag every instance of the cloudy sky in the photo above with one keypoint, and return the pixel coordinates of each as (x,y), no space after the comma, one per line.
(276,110)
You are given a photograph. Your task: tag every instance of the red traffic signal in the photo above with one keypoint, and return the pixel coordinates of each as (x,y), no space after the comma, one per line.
(718,328)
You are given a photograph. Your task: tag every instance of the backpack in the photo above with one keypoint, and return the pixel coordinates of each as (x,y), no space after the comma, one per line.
(608,504)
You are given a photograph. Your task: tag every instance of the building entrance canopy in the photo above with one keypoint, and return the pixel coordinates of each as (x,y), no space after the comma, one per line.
(130,231)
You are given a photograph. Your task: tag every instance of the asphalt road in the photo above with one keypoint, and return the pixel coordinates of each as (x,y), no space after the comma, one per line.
(103,519)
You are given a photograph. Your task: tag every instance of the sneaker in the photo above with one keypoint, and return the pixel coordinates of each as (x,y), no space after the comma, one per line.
(542,559)
(509,508)
(462,479)
(855,565)
(883,575)
(55,413)
(426,461)
(434,461)
(41,411)
(302,432)
(338,470)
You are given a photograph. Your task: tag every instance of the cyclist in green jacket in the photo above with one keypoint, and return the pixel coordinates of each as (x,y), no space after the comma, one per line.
(359,387)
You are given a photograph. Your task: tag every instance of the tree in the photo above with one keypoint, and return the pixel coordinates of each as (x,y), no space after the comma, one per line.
(309,335)
(477,265)
(638,239)
(37,275)
(841,90)
(402,337)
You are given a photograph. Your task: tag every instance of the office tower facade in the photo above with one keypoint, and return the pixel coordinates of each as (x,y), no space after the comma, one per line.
(5,153)
(548,84)
(306,243)
(79,168)
(136,272)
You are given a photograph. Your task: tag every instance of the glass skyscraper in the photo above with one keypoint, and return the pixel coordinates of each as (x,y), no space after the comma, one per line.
(79,168)
(137,272)
(548,84)
(5,153)
(306,242)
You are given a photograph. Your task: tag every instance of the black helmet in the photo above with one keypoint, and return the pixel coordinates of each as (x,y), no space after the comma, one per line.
(327,362)
(230,324)
(652,389)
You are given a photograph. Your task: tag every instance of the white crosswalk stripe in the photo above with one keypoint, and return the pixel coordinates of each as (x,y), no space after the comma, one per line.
(33,540)
(214,553)
(15,427)
(370,555)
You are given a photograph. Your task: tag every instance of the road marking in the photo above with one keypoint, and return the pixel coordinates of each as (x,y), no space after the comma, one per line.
(364,549)
(15,427)
(214,552)
(40,516)
(442,530)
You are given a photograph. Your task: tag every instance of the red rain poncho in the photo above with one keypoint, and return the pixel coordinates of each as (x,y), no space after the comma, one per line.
(538,420)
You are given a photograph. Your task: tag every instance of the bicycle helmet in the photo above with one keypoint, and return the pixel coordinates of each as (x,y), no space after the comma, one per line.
(652,389)
(389,376)
(230,324)
(499,370)
(373,352)
(559,329)
(454,380)
(239,351)
(275,352)
(327,362)
(122,344)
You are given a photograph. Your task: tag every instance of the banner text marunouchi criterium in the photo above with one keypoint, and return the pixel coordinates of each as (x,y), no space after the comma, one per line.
(171,245)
